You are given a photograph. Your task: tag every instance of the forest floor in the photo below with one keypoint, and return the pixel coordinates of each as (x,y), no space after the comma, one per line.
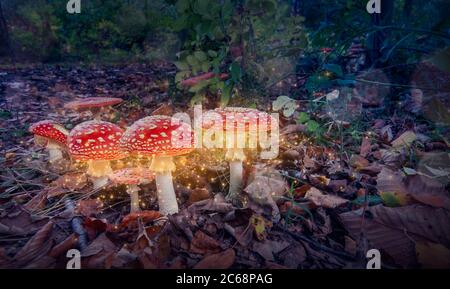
(316,206)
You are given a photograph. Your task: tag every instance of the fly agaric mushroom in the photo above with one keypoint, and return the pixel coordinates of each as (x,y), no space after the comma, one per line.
(242,123)
(97,143)
(52,135)
(133,177)
(160,137)
(96,105)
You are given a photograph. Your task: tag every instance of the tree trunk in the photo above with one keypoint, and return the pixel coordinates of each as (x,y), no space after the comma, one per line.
(5,43)
(377,38)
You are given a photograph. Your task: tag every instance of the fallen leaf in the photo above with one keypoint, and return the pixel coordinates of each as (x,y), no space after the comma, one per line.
(37,202)
(392,188)
(260,226)
(428,191)
(147,216)
(202,243)
(198,194)
(405,139)
(395,230)
(17,221)
(365,147)
(62,248)
(358,162)
(72,181)
(432,255)
(89,207)
(37,246)
(99,253)
(293,256)
(223,260)
(322,200)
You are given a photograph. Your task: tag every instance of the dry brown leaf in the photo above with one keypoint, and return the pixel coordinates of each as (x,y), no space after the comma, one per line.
(17,221)
(391,182)
(99,254)
(428,191)
(37,246)
(202,244)
(432,255)
(198,194)
(405,139)
(147,216)
(223,260)
(37,202)
(263,186)
(365,147)
(72,181)
(358,162)
(60,249)
(89,207)
(322,200)
(395,230)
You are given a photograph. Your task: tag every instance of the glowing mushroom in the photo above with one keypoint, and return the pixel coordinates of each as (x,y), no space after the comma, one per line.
(160,137)
(97,143)
(133,177)
(241,126)
(52,135)
(96,105)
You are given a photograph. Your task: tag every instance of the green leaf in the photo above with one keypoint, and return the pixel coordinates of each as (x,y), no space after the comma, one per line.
(303,117)
(197,99)
(180,76)
(201,56)
(235,70)
(182,65)
(312,125)
(390,199)
(316,82)
(182,5)
(212,53)
(192,60)
(226,95)
(205,66)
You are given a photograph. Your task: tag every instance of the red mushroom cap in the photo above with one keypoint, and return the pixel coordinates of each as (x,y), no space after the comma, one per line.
(132,176)
(239,115)
(92,102)
(95,140)
(158,135)
(51,130)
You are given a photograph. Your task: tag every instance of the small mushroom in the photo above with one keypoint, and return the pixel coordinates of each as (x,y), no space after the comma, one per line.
(242,122)
(52,135)
(97,143)
(97,105)
(160,137)
(133,177)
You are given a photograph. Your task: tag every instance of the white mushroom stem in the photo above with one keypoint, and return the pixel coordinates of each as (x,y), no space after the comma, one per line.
(167,199)
(235,156)
(54,152)
(133,191)
(99,171)
(53,148)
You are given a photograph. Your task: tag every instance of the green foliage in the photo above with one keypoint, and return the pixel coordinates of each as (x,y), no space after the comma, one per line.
(104,29)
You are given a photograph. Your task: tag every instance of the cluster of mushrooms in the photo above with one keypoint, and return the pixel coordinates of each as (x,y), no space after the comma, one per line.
(159,138)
